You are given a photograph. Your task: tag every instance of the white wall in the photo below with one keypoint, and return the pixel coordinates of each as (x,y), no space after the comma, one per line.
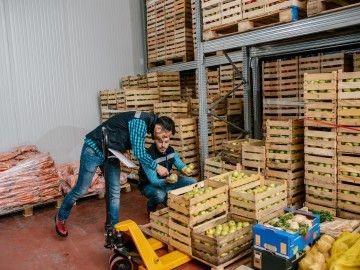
(55,55)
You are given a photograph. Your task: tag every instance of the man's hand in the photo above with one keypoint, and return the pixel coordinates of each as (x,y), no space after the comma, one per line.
(186,171)
(127,154)
(162,171)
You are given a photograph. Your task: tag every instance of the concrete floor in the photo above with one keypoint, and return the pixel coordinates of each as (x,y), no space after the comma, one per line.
(31,243)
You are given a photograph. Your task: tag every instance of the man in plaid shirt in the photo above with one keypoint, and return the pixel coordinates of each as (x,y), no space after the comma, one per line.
(126,131)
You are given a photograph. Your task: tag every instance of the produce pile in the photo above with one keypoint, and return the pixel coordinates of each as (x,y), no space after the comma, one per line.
(280,160)
(12,158)
(291,223)
(235,177)
(328,253)
(31,181)
(226,228)
(69,173)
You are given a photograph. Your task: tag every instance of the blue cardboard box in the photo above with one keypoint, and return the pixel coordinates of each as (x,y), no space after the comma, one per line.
(285,243)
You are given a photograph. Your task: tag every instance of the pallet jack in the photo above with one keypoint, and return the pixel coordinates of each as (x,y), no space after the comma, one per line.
(130,248)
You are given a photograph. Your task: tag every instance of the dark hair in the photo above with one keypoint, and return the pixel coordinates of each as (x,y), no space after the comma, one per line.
(166,123)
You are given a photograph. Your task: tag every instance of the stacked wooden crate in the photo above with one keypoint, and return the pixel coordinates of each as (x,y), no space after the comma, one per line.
(220,108)
(316,7)
(213,82)
(285,157)
(188,84)
(159,224)
(111,103)
(192,205)
(216,165)
(334,61)
(348,144)
(320,95)
(185,141)
(218,133)
(167,83)
(258,200)
(230,78)
(253,155)
(169,31)
(141,99)
(172,109)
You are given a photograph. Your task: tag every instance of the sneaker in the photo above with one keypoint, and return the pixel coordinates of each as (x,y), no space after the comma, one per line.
(60,227)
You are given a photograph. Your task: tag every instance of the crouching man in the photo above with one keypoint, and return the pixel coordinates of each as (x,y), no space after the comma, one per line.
(155,187)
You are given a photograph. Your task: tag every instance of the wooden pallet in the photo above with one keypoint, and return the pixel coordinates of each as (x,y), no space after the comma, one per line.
(349,85)
(262,20)
(28,209)
(317,7)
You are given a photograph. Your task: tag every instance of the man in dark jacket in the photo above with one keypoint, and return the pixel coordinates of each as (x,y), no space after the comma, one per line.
(126,131)
(153,185)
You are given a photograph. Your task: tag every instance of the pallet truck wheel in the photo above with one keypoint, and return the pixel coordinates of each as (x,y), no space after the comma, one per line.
(118,262)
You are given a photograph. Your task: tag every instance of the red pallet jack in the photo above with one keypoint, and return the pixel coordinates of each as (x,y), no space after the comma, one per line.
(130,248)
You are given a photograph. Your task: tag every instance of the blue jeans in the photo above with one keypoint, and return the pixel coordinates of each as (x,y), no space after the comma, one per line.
(157,195)
(89,161)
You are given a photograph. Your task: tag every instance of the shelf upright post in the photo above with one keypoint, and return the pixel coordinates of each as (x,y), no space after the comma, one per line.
(248,110)
(200,64)
(257,120)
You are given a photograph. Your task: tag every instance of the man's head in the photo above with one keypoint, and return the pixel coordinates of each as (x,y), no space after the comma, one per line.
(162,143)
(164,127)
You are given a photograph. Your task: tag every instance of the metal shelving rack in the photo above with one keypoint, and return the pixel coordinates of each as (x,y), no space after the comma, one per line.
(275,40)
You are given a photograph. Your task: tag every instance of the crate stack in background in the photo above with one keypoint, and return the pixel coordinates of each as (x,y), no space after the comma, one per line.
(169,30)
(111,102)
(320,95)
(356,61)
(188,85)
(285,157)
(253,155)
(167,83)
(216,165)
(348,144)
(217,134)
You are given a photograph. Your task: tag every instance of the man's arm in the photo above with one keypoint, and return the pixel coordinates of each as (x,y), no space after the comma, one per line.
(153,178)
(137,130)
(179,164)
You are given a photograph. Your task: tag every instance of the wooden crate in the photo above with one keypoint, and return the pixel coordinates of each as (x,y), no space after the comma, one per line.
(234,106)
(320,141)
(275,112)
(320,86)
(283,175)
(215,166)
(321,169)
(349,113)
(168,84)
(226,79)
(231,11)
(213,82)
(180,235)
(220,249)
(323,111)
(237,178)
(253,155)
(316,207)
(211,11)
(172,109)
(349,168)
(188,85)
(334,61)
(356,58)
(320,193)
(141,99)
(201,208)
(257,206)
(349,197)
(232,150)
(284,156)
(349,85)
(220,109)
(159,222)
(289,79)
(285,131)
(270,79)
(348,140)
(316,7)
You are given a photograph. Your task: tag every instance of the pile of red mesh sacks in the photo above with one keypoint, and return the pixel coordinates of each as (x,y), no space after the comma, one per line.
(31,181)
(11,158)
(69,174)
